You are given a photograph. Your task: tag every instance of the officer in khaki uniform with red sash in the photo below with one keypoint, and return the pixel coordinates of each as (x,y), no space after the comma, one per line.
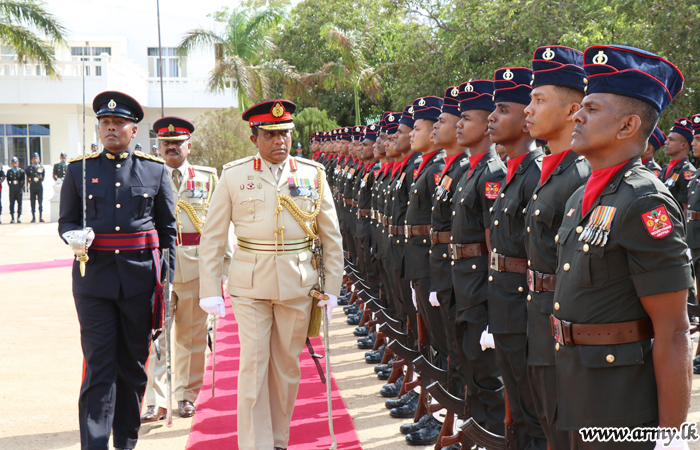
(281,209)
(193,187)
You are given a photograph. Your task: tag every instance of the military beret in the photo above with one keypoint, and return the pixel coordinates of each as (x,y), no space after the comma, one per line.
(428,108)
(392,122)
(64,154)
(622,70)
(684,128)
(558,65)
(477,94)
(173,129)
(657,138)
(271,115)
(512,84)
(695,119)
(450,102)
(371,132)
(407,116)
(117,104)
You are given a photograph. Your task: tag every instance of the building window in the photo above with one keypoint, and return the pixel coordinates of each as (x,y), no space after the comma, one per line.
(91,56)
(22,141)
(173,65)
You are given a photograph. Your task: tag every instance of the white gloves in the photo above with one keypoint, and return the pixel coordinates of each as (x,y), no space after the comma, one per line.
(676,444)
(331,303)
(89,239)
(213,305)
(433,299)
(486,340)
(413,296)
(224,280)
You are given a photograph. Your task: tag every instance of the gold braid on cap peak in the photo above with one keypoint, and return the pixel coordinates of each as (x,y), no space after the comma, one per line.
(307,221)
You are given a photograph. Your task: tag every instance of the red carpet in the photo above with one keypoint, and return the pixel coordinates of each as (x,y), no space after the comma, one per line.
(36,265)
(214,425)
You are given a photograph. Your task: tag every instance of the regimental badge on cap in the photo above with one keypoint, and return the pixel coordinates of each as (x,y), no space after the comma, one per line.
(171,128)
(421,102)
(696,119)
(657,222)
(600,58)
(454,92)
(391,118)
(469,88)
(684,122)
(548,54)
(507,75)
(372,127)
(410,110)
(271,115)
(112,104)
(357,129)
(277,110)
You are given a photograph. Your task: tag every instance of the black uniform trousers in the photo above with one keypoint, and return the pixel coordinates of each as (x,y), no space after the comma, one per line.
(387,293)
(370,265)
(448,310)
(484,386)
(432,318)
(511,353)
(36,192)
(115,338)
(16,196)
(542,380)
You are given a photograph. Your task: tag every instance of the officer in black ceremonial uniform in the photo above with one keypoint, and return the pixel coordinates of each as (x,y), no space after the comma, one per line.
(35,175)
(623,352)
(557,93)
(59,169)
(15,181)
(693,217)
(507,276)
(468,251)
(679,170)
(656,141)
(364,208)
(130,208)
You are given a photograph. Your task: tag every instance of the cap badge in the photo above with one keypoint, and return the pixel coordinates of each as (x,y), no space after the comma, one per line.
(454,92)
(112,104)
(346,130)
(683,122)
(548,54)
(469,88)
(390,118)
(410,110)
(507,75)
(600,58)
(277,110)
(421,102)
(171,128)
(696,120)
(372,127)
(357,129)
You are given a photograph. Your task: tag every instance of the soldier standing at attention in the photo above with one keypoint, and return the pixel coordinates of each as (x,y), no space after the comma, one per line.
(656,141)
(677,174)
(557,74)
(35,175)
(93,148)
(620,321)
(15,180)
(507,276)
(59,169)
(193,187)
(130,209)
(279,206)
(692,217)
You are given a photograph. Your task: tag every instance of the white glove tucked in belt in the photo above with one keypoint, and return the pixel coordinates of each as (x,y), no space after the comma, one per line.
(433,299)
(486,340)
(213,305)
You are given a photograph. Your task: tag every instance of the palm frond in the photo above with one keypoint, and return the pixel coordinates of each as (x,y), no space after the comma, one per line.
(28,45)
(32,14)
(198,38)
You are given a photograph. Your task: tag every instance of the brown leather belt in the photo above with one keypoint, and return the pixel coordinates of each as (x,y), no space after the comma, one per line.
(355,203)
(459,251)
(541,282)
(396,230)
(416,230)
(567,333)
(692,215)
(379,216)
(502,263)
(348,202)
(373,214)
(386,220)
(440,237)
(364,213)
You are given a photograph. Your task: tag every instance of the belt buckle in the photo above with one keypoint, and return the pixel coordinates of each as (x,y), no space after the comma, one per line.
(531,280)
(452,250)
(557,329)
(689,215)
(406,229)
(494,261)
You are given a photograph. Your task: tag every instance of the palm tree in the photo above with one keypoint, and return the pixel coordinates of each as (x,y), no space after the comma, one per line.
(241,51)
(350,70)
(20,20)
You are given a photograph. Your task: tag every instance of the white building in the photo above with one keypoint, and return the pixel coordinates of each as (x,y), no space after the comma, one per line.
(119,46)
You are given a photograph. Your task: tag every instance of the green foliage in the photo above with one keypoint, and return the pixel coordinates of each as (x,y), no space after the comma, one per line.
(221,137)
(31,31)
(307,121)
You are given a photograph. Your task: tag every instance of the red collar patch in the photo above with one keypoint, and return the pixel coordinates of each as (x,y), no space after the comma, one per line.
(191,171)
(257,165)
(293,164)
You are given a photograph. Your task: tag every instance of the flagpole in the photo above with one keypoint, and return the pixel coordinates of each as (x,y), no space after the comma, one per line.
(160,61)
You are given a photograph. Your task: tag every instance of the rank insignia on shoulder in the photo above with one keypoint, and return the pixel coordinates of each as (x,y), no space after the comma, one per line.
(688,174)
(95,180)
(598,227)
(491,190)
(657,222)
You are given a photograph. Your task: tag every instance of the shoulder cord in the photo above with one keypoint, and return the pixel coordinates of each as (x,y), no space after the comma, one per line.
(307,221)
(191,211)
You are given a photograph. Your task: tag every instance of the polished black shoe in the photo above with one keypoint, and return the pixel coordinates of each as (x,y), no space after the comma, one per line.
(383,367)
(396,402)
(375,356)
(351,309)
(456,446)
(367,342)
(343,301)
(415,426)
(361,331)
(407,410)
(392,390)
(384,375)
(425,436)
(343,290)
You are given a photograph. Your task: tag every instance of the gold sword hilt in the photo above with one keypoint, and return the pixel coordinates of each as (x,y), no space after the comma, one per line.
(83,260)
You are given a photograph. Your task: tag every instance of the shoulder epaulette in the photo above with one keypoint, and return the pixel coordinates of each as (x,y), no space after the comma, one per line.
(205,169)
(147,156)
(310,162)
(80,158)
(237,162)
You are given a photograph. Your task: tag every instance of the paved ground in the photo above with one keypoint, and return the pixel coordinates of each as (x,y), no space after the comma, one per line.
(42,364)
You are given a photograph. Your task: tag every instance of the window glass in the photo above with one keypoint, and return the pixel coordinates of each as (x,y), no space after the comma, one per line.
(16,130)
(39,130)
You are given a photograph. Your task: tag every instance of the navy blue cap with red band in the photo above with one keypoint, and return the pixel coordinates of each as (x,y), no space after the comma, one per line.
(476,94)
(558,65)
(512,84)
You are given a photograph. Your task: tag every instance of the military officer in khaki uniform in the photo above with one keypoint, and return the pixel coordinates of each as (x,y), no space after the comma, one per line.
(278,205)
(193,187)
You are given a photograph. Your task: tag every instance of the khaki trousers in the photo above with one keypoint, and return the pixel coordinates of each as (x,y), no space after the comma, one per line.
(272,335)
(188,341)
